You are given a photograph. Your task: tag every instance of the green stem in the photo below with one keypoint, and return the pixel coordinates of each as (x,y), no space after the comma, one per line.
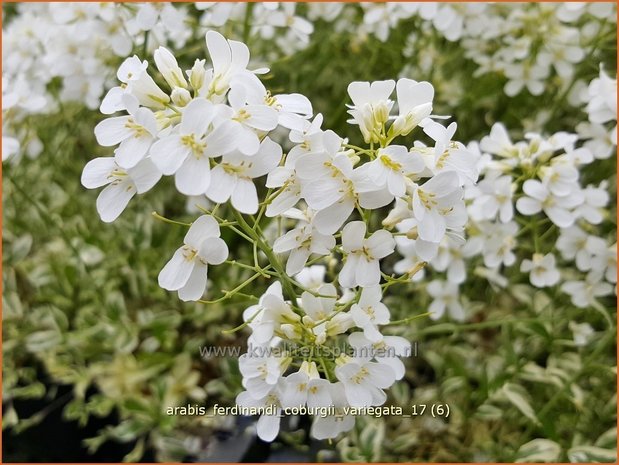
(452,328)
(408,320)
(285,280)
(145,44)
(247,22)
(324,368)
(243,325)
(168,220)
(228,294)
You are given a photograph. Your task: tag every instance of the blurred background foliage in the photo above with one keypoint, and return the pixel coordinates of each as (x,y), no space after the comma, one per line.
(90,340)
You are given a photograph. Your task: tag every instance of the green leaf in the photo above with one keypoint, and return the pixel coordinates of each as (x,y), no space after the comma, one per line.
(591,454)
(608,439)
(9,418)
(539,450)
(136,453)
(21,247)
(43,340)
(518,397)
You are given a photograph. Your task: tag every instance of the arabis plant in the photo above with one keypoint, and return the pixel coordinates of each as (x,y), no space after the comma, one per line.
(218,131)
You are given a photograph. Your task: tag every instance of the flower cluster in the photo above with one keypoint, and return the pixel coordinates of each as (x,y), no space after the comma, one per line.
(528,44)
(278,23)
(523,43)
(600,100)
(73,44)
(211,129)
(529,193)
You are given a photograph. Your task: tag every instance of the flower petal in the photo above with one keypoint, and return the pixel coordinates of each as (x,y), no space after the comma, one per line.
(203,228)
(114,199)
(176,272)
(194,175)
(244,197)
(96,172)
(214,250)
(196,284)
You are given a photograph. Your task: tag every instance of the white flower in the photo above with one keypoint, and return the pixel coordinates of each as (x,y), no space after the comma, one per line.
(302,242)
(574,243)
(265,318)
(441,135)
(584,293)
(364,381)
(493,198)
(560,178)
(292,109)
(148,93)
(602,99)
(249,119)
(289,192)
(286,18)
(130,70)
(371,106)
(305,387)
(386,351)
(499,244)
(606,263)
(322,309)
(498,142)
(592,208)
(122,184)
(149,14)
(542,269)
(450,257)
(330,186)
(448,155)
(312,139)
(10,147)
(407,248)
(331,425)
(583,333)
(522,75)
(370,312)
(445,296)
(312,277)
(135,133)
(187,151)
(601,142)
(434,202)
(414,104)
(232,177)
(393,166)
(362,267)
(261,373)
(539,198)
(268,423)
(186,272)
(327,187)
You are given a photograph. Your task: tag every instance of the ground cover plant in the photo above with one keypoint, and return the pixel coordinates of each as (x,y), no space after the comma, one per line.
(396,218)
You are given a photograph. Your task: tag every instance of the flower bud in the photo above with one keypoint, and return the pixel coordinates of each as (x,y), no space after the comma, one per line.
(381,113)
(197,75)
(412,233)
(343,359)
(292,332)
(339,324)
(284,363)
(180,97)
(168,67)
(310,369)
